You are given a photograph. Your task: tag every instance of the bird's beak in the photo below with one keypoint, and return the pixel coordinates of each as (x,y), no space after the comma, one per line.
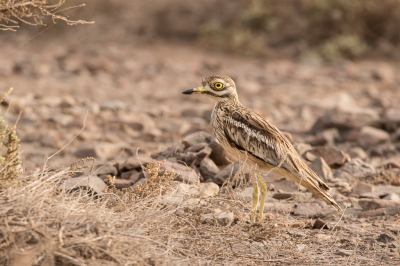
(197,90)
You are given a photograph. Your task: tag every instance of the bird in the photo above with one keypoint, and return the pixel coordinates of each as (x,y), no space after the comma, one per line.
(248,136)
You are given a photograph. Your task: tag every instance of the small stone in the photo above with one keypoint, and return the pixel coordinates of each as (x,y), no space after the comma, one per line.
(102,151)
(122,183)
(358,152)
(322,169)
(331,155)
(344,252)
(140,181)
(308,209)
(195,138)
(372,213)
(301,148)
(370,136)
(208,169)
(319,224)
(346,117)
(285,185)
(127,175)
(183,173)
(373,204)
(171,151)
(196,148)
(393,197)
(344,176)
(179,213)
(385,238)
(113,105)
(209,189)
(198,158)
(282,196)
(229,171)
(358,168)
(362,188)
(93,183)
(106,170)
(309,156)
(295,196)
(135,163)
(218,154)
(225,218)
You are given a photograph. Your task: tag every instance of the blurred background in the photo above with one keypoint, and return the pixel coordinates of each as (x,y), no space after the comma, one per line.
(294,62)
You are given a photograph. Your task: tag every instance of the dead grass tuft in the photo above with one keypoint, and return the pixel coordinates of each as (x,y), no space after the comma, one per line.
(33,13)
(136,227)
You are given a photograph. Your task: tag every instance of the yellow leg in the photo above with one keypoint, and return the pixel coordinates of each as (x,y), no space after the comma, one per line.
(263,189)
(256,191)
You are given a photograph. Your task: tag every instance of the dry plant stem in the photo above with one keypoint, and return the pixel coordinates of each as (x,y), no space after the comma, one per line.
(33,12)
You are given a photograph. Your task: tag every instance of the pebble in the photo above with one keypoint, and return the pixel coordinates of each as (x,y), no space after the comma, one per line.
(225,218)
(208,169)
(183,173)
(228,171)
(370,136)
(362,188)
(218,154)
(322,169)
(93,183)
(195,138)
(331,155)
(123,183)
(311,209)
(319,224)
(134,163)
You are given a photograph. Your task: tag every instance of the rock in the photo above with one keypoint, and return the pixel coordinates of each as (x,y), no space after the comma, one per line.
(392,196)
(134,163)
(343,187)
(362,188)
(113,105)
(171,151)
(286,185)
(328,136)
(373,204)
(101,150)
(183,173)
(140,181)
(301,148)
(209,189)
(346,117)
(372,213)
(295,196)
(218,154)
(358,168)
(195,138)
(344,252)
(370,136)
(308,209)
(309,156)
(385,238)
(199,157)
(127,175)
(225,218)
(105,170)
(208,169)
(319,224)
(344,176)
(196,148)
(122,183)
(322,169)
(358,152)
(229,171)
(332,156)
(93,183)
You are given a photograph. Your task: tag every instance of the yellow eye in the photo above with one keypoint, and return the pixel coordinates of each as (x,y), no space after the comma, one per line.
(218,85)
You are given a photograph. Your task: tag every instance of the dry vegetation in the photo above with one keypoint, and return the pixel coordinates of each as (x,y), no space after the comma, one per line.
(41,225)
(34,13)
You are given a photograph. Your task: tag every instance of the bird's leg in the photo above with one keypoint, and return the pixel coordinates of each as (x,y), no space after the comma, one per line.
(256,191)
(263,189)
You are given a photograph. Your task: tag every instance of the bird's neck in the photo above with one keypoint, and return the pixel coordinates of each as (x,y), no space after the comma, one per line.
(232,99)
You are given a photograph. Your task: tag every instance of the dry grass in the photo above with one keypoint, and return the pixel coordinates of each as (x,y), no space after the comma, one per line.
(33,13)
(42,226)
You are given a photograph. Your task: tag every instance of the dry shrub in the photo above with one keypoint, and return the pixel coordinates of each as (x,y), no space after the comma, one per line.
(41,227)
(33,13)
(9,163)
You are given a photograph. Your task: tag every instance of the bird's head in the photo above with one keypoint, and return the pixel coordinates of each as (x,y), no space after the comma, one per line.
(218,87)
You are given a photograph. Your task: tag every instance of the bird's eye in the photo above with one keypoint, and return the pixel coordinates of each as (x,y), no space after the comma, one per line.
(218,85)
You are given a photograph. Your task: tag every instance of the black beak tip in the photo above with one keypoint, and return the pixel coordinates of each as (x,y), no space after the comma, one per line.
(188,91)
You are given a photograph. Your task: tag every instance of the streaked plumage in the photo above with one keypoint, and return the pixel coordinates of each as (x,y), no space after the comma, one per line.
(250,137)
